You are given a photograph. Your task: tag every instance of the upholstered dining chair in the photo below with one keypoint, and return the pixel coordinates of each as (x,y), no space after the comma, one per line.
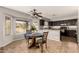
(29,41)
(27,38)
(43,41)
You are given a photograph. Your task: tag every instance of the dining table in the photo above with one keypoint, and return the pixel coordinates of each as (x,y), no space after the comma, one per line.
(29,36)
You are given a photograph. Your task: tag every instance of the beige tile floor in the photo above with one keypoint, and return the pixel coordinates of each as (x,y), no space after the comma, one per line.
(65,46)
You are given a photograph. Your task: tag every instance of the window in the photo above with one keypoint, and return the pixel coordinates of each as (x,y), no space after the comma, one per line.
(21,26)
(7,25)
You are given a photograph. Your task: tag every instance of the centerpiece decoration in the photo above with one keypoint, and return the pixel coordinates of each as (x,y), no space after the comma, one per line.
(33,28)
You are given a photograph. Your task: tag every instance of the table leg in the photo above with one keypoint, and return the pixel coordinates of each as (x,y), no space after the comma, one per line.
(33,42)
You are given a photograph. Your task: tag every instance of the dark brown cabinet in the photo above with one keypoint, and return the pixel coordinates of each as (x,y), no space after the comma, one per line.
(42,22)
(69,22)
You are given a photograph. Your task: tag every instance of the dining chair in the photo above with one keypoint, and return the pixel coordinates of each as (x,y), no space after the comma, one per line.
(27,38)
(43,41)
(29,41)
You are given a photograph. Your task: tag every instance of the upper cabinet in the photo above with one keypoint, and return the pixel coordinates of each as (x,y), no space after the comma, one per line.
(70,22)
(42,22)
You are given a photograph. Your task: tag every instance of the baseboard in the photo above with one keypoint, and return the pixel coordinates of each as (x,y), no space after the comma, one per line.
(4,44)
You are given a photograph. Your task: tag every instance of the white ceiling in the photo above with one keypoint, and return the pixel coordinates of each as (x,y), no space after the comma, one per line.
(48,11)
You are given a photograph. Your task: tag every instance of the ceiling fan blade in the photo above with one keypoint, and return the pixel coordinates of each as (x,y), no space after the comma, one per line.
(39,13)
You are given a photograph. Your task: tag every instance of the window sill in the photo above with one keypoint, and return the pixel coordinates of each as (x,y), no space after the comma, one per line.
(20,33)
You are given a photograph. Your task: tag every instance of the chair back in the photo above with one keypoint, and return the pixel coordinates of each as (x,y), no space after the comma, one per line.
(45,34)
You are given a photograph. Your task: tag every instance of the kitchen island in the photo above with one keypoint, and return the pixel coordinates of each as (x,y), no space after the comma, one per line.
(54,34)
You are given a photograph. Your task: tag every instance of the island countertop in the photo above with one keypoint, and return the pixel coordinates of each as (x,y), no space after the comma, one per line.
(52,34)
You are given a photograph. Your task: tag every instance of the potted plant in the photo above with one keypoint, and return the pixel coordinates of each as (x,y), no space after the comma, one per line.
(33,28)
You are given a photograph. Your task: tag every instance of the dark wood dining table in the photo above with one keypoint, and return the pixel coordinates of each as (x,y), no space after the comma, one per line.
(29,36)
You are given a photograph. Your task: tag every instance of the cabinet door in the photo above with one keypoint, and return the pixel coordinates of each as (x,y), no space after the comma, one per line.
(42,22)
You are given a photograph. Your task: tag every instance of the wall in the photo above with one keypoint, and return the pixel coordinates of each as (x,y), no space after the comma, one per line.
(14,13)
(1,29)
(78,27)
(66,17)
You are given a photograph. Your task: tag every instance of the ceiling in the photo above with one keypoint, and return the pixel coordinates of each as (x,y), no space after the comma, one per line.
(48,11)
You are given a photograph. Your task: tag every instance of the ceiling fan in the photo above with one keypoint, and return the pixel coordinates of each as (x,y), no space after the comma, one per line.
(35,13)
